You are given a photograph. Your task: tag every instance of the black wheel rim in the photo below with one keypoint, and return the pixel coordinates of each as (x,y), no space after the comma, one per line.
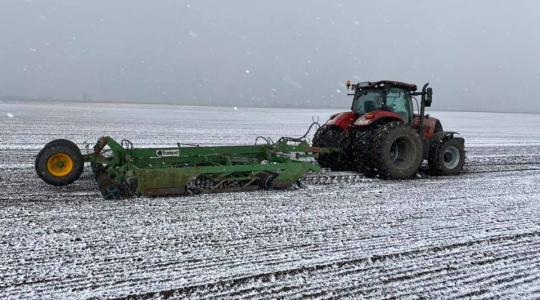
(401,152)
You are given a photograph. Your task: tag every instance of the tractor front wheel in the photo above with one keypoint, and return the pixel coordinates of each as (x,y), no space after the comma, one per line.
(447,157)
(396,151)
(59,163)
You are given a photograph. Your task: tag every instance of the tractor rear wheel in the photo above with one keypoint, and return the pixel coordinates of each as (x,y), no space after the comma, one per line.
(447,157)
(331,136)
(361,149)
(396,151)
(59,163)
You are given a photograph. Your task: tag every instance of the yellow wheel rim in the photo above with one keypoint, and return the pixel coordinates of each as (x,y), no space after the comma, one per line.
(59,164)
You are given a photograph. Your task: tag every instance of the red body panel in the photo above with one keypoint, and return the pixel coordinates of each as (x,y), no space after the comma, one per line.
(342,120)
(374,116)
(430,125)
(349,119)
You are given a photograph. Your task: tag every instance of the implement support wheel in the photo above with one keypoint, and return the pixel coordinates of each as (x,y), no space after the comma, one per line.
(59,163)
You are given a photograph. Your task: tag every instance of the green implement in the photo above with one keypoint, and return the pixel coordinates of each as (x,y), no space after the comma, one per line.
(123,171)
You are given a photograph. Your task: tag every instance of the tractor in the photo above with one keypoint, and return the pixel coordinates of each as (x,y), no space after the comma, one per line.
(383,136)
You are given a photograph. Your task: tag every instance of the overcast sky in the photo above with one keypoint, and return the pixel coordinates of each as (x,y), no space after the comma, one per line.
(478,55)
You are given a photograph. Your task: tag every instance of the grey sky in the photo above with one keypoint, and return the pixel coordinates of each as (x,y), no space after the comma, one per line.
(478,55)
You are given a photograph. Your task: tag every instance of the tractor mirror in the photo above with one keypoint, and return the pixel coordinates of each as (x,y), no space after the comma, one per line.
(429,97)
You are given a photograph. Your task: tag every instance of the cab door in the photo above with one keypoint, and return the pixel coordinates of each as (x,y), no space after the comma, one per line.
(399,101)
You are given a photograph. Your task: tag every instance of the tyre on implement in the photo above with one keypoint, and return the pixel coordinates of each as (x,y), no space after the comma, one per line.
(59,163)
(396,151)
(447,157)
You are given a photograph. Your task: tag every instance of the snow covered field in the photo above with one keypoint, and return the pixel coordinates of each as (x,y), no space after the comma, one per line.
(476,235)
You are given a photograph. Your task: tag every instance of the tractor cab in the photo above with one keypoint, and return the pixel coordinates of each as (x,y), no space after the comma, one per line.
(383,96)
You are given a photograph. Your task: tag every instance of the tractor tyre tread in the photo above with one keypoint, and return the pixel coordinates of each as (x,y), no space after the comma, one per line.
(436,158)
(361,149)
(383,138)
(332,136)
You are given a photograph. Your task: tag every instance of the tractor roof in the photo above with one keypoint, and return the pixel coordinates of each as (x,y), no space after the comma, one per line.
(381,83)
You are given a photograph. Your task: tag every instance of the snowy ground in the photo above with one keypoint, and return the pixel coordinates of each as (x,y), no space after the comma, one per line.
(476,235)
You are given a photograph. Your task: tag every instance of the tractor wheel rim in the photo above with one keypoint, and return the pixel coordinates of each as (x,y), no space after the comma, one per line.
(451,157)
(401,152)
(59,164)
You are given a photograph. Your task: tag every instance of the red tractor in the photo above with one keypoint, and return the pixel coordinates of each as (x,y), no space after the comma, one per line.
(384,137)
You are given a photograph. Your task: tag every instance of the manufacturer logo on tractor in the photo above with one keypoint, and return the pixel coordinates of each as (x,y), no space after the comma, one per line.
(168,153)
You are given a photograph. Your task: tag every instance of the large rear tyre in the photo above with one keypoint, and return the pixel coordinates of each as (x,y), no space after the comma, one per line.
(396,151)
(361,149)
(59,163)
(331,136)
(447,157)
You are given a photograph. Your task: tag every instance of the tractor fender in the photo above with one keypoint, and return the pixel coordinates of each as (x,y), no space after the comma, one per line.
(376,117)
(444,136)
(342,120)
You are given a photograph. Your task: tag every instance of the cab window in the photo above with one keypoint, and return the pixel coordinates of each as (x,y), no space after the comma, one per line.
(397,100)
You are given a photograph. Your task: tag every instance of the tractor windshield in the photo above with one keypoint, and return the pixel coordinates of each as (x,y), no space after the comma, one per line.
(367,100)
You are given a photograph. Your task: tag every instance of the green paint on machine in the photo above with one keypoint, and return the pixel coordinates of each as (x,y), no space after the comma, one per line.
(123,171)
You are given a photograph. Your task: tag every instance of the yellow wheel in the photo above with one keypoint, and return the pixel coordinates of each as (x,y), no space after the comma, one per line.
(59,163)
